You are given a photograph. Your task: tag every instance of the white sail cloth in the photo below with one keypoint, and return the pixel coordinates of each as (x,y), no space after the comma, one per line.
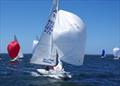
(35,42)
(116,52)
(58,67)
(20,54)
(69,35)
(43,52)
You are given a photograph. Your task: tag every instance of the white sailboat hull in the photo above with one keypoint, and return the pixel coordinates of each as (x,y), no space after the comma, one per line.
(62,75)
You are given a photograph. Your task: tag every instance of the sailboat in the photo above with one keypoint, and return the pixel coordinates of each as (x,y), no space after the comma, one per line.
(116,53)
(20,54)
(103,54)
(14,50)
(63,39)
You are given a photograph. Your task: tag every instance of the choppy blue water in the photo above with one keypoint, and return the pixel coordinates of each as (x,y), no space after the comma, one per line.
(94,72)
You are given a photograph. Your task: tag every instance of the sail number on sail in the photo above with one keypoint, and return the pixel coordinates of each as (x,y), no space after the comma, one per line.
(48,61)
(50,23)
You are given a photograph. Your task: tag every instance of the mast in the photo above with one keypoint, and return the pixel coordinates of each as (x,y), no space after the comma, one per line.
(15,38)
(56,4)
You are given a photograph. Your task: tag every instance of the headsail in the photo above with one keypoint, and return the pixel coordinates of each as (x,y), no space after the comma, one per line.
(20,54)
(70,35)
(43,51)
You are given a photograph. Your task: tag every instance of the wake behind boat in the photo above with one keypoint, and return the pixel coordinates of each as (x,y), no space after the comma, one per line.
(62,39)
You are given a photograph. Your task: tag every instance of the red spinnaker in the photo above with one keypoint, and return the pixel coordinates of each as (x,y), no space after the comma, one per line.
(13,49)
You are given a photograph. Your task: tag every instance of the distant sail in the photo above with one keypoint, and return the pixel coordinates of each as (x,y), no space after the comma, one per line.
(35,43)
(116,52)
(13,49)
(70,35)
(103,53)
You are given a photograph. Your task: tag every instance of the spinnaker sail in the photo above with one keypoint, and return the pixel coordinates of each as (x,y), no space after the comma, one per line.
(70,35)
(13,48)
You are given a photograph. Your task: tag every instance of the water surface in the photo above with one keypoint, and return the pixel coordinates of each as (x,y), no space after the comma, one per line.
(94,72)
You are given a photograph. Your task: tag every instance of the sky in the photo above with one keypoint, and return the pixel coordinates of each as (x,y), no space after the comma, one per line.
(27,18)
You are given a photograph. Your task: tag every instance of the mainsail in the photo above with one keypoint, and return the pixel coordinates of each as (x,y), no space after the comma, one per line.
(69,35)
(43,52)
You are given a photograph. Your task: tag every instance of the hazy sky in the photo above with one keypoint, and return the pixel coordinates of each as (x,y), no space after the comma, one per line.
(26,19)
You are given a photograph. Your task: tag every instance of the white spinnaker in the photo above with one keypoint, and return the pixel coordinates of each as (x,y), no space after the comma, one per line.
(70,35)
(43,52)
(116,52)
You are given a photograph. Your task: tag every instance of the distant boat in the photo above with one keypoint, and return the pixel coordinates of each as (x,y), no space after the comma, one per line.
(103,54)
(62,39)
(116,53)
(14,50)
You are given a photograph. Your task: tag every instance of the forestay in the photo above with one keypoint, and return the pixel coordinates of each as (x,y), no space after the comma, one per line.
(70,35)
